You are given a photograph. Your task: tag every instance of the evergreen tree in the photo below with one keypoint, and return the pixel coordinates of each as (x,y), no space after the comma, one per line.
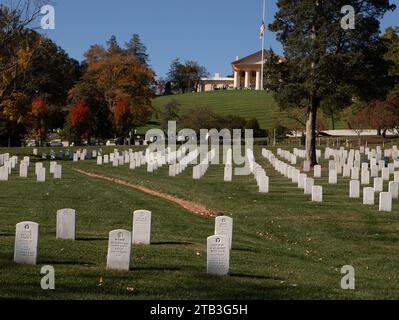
(324,62)
(113,46)
(137,48)
(391,39)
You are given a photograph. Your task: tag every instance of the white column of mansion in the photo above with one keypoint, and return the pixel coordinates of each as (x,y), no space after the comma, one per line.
(249,67)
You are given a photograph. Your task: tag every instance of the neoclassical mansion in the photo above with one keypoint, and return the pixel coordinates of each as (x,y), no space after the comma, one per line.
(247,74)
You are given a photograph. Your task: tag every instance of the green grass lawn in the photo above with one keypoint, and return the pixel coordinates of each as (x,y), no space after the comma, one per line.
(248,104)
(284,246)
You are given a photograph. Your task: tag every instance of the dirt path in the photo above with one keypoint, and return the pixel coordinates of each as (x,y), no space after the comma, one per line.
(188,205)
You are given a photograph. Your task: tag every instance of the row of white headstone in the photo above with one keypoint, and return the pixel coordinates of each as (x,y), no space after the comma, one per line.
(26,249)
(9,163)
(120,241)
(335,167)
(262,180)
(81,155)
(300,179)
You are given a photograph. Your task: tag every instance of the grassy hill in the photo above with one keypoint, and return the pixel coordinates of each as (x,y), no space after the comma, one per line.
(248,104)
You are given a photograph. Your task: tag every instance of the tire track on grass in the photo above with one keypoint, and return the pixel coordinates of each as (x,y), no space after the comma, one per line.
(186,204)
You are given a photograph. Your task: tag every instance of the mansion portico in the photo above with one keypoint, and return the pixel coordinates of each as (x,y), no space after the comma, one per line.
(247,74)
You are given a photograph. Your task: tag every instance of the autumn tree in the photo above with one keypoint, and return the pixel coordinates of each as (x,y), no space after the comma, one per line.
(30,66)
(117,87)
(322,60)
(122,116)
(81,121)
(381,115)
(38,118)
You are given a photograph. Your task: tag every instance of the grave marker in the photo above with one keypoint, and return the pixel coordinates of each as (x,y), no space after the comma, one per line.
(218,255)
(119,250)
(224,226)
(141,227)
(66,224)
(26,243)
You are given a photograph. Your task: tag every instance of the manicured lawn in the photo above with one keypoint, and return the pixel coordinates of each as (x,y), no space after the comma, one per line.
(284,246)
(247,104)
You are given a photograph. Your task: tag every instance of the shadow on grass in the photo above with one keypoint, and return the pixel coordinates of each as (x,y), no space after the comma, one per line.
(155,269)
(63,262)
(92,239)
(250,276)
(246,249)
(164,243)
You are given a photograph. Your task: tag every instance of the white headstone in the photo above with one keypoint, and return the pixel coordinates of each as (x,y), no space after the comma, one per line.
(58,171)
(378,185)
(41,175)
(106,159)
(23,170)
(224,226)
(66,224)
(306,166)
(374,171)
(394,189)
(264,184)
(317,171)
(385,201)
(3,173)
(332,177)
(119,250)
(317,194)
(385,174)
(365,177)
(368,196)
(132,164)
(26,243)
(346,171)
(115,161)
(99,160)
(218,255)
(52,165)
(355,173)
(309,183)
(354,189)
(228,173)
(301,180)
(141,227)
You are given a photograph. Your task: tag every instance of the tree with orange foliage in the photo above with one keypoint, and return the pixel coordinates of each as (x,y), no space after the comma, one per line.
(381,115)
(80,120)
(122,115)
(38,119)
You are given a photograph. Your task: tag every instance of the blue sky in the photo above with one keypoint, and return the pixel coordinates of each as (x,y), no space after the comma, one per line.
(212,32)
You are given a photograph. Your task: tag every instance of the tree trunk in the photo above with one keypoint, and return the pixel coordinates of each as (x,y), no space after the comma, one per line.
(311,133)
(333,120)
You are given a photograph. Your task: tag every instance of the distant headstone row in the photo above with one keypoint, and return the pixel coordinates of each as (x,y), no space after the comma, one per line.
(307,184)
(361,170)
(7,164)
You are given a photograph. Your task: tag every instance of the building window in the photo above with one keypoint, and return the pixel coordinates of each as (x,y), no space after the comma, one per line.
(253,74)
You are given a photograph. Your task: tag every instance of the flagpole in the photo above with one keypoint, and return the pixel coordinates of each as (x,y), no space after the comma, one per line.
(263,48)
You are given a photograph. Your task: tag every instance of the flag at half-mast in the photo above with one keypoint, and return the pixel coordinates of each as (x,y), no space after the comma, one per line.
(262,30)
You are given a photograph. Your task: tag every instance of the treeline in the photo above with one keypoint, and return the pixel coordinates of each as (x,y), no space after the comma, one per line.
(43,90)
